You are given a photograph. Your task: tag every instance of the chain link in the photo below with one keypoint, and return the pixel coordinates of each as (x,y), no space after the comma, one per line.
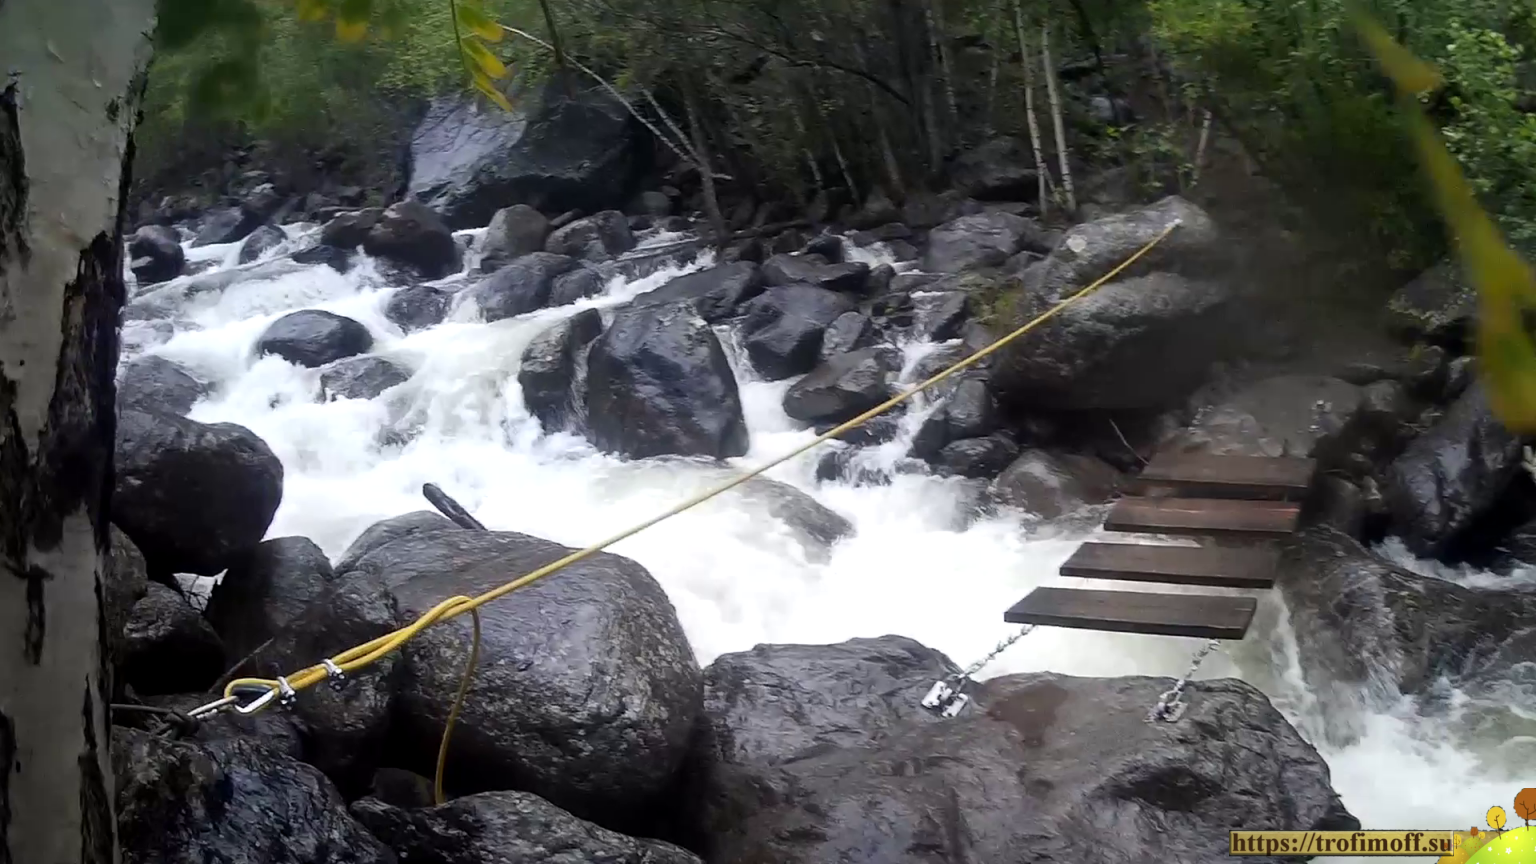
(1170,705)
(965,674)
(946,698)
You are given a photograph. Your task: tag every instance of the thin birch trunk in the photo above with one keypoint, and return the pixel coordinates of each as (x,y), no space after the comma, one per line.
(1056,118)
(1205,137)
(1042,173)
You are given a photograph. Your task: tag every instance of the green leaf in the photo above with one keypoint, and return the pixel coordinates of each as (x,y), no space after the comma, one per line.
(351,31)
(484,59)
(488,87)
(313,10)
(182,21)
(224,86)
(477,22)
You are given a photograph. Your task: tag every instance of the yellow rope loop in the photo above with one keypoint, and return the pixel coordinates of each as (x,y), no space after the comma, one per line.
(371,652)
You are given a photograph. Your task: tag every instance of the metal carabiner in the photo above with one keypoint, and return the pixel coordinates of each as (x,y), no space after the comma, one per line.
(213,707)
(256,704)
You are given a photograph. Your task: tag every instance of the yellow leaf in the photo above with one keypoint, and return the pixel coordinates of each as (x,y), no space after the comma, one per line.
(311,10)
(1407,71)
(351,31)
(477,23)
(488,62)
(488,87)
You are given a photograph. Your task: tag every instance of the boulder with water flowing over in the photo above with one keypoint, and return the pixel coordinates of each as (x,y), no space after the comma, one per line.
(410,233)
(1099,353)
(843,387)
(658,383)
(598,237)
(192,496)
(977,241)
(1051,485)
(822,753)
(967,411)
(813,269)
(782,328)
(520,287)
(260,241)
(227,225)
(570,145)
(155,383)
(579,284)
(506,828)
(417,307)
(514,232)
(167,646)
(714,293)
(552,365)
(390,530)
(976,458)
(941,315)
(313,338)
(1452,474)
(233,801)
(814,525)
(586,690)
(265,589)
(1369,631)
(335,258)
(156,254)
(849,331)
(350,230)
(360,378)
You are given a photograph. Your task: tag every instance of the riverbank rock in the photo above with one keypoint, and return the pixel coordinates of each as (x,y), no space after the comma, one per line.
(193,496)
(1438,305)
(843,387)
(976,242)
(506,828)
(390,530)
(155,254)
(167,646)
(587,689)
(520,287)
(360,378)
(410,233)
(266,589)
(1094,354)
(264,239)
(813,269)
(598,237)
(126,583)
(417,307)
(232,801)
(658,383)
(782,328)
(514,232)
(1451,474)
(1052,485)
(313,338)
(569,145)
(714,293)
(801,764)
(999,169)
(154,383)
(553,365)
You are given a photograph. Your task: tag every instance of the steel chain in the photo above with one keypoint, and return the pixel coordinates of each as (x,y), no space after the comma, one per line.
(946,698)
(1170,705)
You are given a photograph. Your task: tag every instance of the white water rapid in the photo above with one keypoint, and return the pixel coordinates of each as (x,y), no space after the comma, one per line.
(915,566)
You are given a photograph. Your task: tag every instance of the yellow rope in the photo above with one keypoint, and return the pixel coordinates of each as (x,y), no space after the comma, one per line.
(371,652)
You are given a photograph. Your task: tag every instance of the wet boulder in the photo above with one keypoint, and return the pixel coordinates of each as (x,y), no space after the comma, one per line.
(155,254)
(782,328)
(587,689)
(714,293)
(1052,485)
(313,338)
(126,583)
(843,387)
(410,233)
(350,230)
(976,458)
(192,496)
(578,284)
(553,364)
(514,232)
(233,801)
(814,270)
(360,378)
(335,258)
(1094,354)
(506,828)
(167,646)
(417,307)
(1438,305)
(825,755)
(1451,474)
(999,169)
(520,287)
(264,239)
(569,145)
(275,730)
(390,530)
(659,383)
(153,383)
(227,225)
(975,242)
(968,410)
(940,315)
(1310,416)
(815,526)
(849,331)
(265,589)
(598,237)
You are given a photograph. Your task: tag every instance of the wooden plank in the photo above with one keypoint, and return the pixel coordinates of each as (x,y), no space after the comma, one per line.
(1202,616)
(1196,475)
(1178,565)
(1202,516)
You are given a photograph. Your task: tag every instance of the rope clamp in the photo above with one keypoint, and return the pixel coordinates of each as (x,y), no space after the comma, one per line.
(945,700)
(333,672)
(286,695)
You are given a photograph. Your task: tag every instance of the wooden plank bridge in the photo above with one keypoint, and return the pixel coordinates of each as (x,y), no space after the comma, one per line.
(1250,499)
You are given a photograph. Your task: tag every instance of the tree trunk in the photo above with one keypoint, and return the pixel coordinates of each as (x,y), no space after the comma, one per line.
(1056,121)
(706,165)
(66,118)
(1042,173)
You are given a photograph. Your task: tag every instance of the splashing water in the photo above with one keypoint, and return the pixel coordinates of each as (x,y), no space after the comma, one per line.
(919,563)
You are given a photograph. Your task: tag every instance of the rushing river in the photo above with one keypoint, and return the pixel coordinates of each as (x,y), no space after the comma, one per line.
(917,564)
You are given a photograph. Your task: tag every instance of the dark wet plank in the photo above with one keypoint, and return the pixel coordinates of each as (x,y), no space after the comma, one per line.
(1200,616)
(1179,565)
(1195,475)
(1204,516)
